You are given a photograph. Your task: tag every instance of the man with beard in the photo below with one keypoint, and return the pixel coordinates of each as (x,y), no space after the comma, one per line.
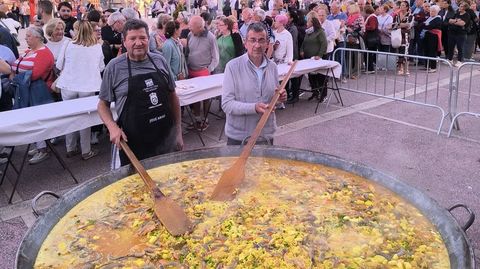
(65,12)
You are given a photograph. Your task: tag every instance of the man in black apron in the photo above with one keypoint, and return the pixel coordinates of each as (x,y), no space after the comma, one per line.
(144,94)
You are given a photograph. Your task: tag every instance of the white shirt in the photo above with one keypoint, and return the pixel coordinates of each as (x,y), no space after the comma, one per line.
(12,25)
(330,33)
(384,21)
(55,47)
(284,51)
(81,67)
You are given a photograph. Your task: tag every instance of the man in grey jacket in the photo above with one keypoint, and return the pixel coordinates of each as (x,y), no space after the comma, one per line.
(249,84)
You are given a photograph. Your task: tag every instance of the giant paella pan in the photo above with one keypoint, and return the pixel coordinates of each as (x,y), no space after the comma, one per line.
(296,209)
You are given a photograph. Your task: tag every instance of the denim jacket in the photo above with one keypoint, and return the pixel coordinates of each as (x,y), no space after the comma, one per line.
(30,93)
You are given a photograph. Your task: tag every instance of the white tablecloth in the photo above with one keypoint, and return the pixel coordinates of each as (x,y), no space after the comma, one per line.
(32,124)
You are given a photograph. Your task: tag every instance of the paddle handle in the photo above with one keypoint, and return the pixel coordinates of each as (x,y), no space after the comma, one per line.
(263,120)
(140,169)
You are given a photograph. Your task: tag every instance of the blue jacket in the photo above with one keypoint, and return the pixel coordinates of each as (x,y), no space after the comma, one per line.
(30,93)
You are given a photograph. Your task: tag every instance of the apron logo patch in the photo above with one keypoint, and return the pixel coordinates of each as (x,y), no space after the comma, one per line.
(149,82)
(153,98)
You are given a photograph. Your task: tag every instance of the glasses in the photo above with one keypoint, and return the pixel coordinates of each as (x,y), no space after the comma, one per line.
(261,41)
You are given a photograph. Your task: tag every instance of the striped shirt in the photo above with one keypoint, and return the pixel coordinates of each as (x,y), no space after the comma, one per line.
(40,62)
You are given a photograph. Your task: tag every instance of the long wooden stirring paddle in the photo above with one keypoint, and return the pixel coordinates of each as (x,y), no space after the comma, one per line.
(170,214)
(232,178)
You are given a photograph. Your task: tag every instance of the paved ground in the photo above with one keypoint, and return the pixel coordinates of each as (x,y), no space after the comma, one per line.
(395,137)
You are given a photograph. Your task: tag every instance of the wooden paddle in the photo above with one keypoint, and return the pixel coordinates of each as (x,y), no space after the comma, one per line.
(168,212)
(231,178)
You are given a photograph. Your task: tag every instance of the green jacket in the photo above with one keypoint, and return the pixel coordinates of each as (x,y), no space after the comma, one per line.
(314,44)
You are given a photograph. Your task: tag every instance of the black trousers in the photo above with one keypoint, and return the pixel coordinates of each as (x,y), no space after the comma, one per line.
(317,82)
(458,40)
(293,86)
(430,43)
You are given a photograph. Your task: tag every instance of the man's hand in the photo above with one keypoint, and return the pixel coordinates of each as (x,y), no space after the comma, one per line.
(316,57)
(260,108)
(283,96)
(116,134)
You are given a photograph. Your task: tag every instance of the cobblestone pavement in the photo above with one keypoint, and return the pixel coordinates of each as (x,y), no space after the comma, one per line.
(395,137)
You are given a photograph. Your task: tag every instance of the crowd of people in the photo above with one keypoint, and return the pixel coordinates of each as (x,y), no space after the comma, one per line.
(78,52)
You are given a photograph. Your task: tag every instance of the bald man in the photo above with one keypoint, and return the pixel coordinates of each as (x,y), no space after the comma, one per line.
(203,57)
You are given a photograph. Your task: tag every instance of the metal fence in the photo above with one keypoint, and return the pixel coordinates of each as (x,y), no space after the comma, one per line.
(381,78)
(466,99)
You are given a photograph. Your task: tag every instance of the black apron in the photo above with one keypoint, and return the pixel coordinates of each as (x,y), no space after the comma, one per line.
(146,118)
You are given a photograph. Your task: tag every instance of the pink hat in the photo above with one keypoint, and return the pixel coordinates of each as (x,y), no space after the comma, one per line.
(281,19)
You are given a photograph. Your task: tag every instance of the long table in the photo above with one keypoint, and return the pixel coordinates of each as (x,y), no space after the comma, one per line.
(32,124)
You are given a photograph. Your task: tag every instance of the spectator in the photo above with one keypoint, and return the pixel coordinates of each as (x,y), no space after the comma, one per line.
(430,35)
(283,48)
(130,13)
(329,29)
(336,13)
(457,33)
(158,7)
(173,51)
(446,13)
(472,30)
(65,12)
(183,18)
(15,11)
(44,11)
(384,26)
(203,58)
(111,33)
(39,61)
(80,63)
(54,31)
(230,44)
(314,46)
(355,27)
(12,25)
(25,12)
(260,16)
(6,59)
(371,38)
(293,87)
(403,20)
(157,37)
(247,16)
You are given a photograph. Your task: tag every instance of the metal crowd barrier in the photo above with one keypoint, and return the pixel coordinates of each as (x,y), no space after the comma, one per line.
(386,83)
(468,105)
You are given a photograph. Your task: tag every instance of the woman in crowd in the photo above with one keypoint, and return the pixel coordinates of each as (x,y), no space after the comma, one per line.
(80,63)
(355,27)
(293,88)
(403,20)
(173,51)
(471,33)
(384,25)
(446,13)
(39,60)
(431,33)
(372,38)
(157,37)
(283,48)
(457,32)
(230,44)
(54,30)
(314,46)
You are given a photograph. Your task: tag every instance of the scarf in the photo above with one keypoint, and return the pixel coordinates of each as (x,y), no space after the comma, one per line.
(309,30)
